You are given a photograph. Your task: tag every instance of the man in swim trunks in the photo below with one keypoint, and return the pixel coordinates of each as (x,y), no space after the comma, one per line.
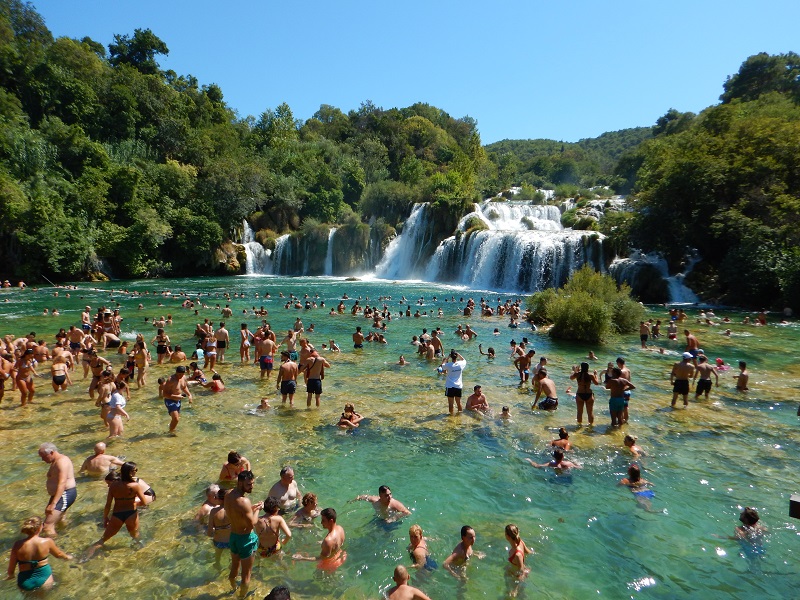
(60,485)
(100,463)
(705,371)
(176,389)
(679,378)
(692,345)
(331,555)
(314,368)
(223,338)
(243,541)
(387,507)
(265,349)
(547,387)
(86,319)
(287,378)
(523,365)
(358,339)
(618,385)
(453,382)
(743,377)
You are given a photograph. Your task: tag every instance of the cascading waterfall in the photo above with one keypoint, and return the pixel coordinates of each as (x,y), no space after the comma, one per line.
(524,249)
(282,255)
(404,253)
(329,253)
(259,260)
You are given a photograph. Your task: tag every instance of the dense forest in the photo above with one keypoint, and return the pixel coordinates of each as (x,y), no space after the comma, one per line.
(109,163)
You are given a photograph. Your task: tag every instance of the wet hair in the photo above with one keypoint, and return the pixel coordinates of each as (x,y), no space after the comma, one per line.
(563,433)
(246,476)
(620,360)
(329,514)
(31,525)
(742,364)
(630,438)
(234,457)
(702,358)
(616,372)
(349,407)
(465,529)
(280,592)
(383,489)
(749,516)
(558,454)
(512,531)
(113,475)
(505,409)
(308,498)
(415,530)
(271,505)
(221,493)
(128,471)
(634,473)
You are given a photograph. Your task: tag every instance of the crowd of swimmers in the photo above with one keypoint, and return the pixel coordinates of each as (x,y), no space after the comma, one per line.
(231,520)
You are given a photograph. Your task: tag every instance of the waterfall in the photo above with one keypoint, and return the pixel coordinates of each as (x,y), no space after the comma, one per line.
(329,253)
(282,255)
(259,261)
(628,269)
(404,253)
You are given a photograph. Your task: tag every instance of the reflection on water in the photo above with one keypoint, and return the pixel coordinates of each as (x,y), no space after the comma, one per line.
(706,463)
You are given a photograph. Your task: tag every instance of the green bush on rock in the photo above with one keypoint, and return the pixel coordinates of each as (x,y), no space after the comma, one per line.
(588,308)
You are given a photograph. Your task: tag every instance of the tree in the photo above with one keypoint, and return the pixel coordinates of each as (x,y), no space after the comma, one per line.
(138,51)
(763,73)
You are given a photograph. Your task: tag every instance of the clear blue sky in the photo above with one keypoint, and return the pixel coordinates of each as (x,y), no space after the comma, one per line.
(521,68)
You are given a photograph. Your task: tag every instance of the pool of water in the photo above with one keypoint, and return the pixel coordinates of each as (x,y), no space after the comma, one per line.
(590,537)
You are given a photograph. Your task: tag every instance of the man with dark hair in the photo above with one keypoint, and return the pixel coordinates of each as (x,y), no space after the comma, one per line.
(280,592)
(453,383)
(461,553)
(244,541)
(331,555)
(387,507)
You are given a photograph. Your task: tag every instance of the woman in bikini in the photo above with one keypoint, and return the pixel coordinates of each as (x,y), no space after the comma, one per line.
(418,549)
(123,493)
(244,346)
(31,556)
(219,526)
(141,359)
(211,351)
(585,396)
(235,465)
(269,528)
(60,374)
(162,345)
(25,374)
(516,558)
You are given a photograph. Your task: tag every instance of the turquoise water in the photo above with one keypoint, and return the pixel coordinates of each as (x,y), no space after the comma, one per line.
(589,536)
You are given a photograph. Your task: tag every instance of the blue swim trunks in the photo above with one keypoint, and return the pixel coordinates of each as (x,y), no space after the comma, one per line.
(649,494)
(173,405)
(244,544)
(222,545)
(616,404)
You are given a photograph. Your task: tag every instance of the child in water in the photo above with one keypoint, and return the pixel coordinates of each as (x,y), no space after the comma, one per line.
(350,418)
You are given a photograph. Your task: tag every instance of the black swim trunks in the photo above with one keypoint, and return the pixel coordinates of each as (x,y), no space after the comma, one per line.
(681,386)
(314,386)
(288,386)
(453,392)
(703,386)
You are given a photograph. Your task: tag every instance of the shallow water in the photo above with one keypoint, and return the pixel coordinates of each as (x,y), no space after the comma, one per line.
(589,536)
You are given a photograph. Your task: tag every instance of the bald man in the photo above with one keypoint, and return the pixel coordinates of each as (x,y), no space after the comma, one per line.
(403,591)
(100,463)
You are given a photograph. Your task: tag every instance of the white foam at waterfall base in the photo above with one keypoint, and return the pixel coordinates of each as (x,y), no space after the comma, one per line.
(515,216)
(259,260)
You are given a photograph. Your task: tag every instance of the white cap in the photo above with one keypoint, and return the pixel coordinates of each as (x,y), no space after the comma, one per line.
(688,355)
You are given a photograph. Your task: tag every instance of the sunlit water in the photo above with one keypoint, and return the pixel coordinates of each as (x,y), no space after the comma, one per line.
(590,538)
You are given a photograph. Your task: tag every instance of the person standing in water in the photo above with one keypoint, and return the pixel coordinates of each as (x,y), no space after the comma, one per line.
(585,396)
(31,555)
(243,540)
(453,381)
